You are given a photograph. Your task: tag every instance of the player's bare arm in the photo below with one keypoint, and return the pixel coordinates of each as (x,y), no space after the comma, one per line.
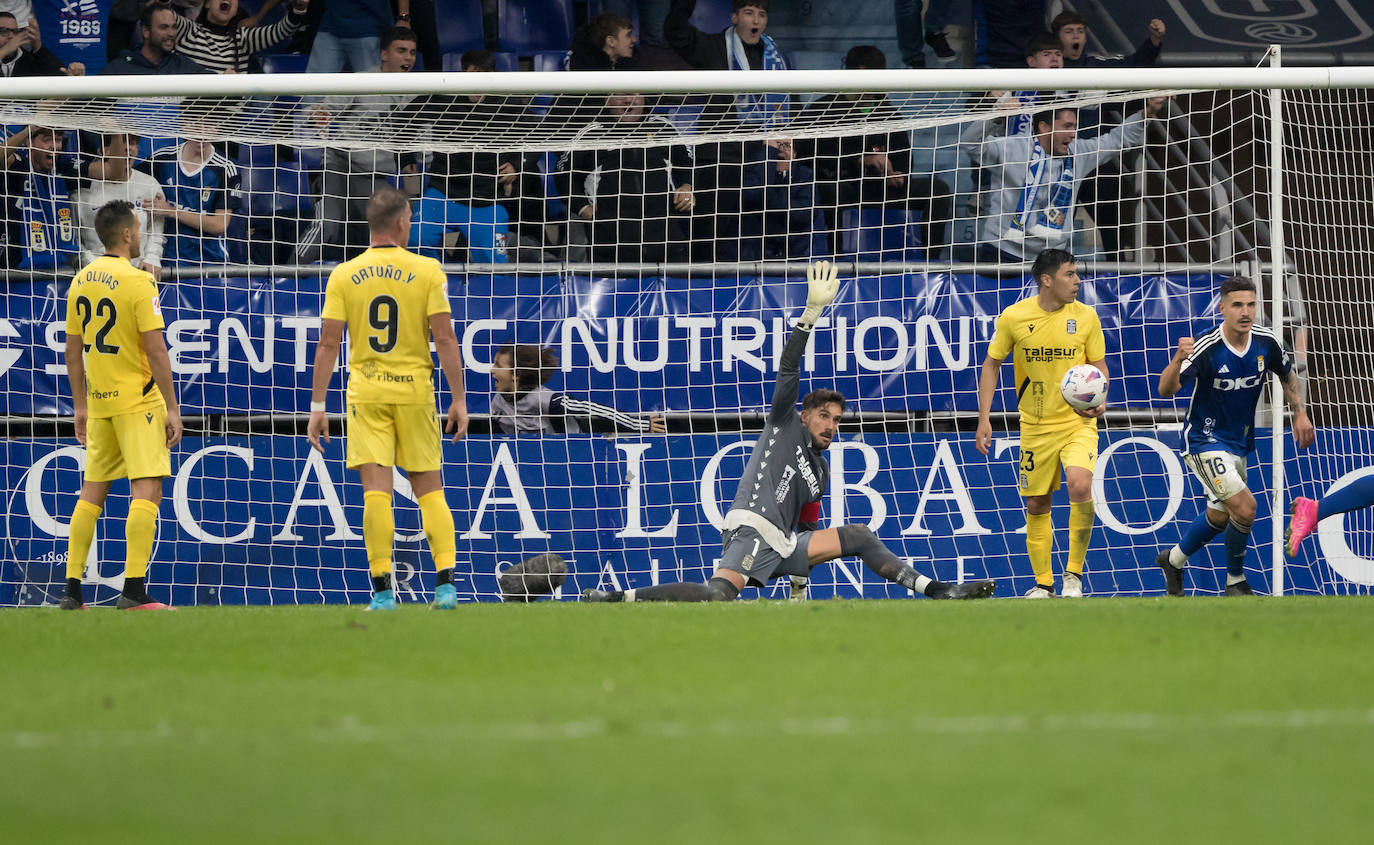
(1303,431)
(76,374)
(987,388)
(1170,381)
(326,356)
(161,366)
(451,360)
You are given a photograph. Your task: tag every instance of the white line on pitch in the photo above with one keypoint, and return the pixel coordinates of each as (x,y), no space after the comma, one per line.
(350,730)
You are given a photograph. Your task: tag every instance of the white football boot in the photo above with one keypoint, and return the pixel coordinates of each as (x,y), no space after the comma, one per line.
(1072,587)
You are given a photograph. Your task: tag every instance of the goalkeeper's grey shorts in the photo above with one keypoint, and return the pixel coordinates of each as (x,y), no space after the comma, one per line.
(745,551)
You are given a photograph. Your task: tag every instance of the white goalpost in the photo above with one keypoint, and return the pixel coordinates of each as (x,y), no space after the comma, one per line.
(651,231)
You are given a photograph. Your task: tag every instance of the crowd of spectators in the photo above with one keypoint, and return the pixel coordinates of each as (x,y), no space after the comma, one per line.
(634,187)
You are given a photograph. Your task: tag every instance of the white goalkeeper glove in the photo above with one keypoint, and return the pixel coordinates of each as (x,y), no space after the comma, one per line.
(823,282)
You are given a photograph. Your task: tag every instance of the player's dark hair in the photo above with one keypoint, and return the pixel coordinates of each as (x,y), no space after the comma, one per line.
(111,219)
(1042,41)
(821,397)
(1236,283)
(385,206)
(532,365)
(482,60)
(1048,263)
(865,56)
(398,33)
(607,25)
(740,4)
(41,130)
(11,16)
(1064,19)
(1047,117)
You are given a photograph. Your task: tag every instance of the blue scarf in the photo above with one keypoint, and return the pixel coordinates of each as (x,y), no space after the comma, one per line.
(1054,218)
(1020,124)
(766,110)
(50,231)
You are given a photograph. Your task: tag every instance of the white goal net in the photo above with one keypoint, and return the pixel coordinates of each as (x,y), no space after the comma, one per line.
(636,244)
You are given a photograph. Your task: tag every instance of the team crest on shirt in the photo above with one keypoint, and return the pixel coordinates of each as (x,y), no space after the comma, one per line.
(1071,327)
(157,307)
(1259,363)
(205,194)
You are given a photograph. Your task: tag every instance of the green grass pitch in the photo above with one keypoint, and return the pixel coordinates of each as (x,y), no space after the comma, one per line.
(1104,720)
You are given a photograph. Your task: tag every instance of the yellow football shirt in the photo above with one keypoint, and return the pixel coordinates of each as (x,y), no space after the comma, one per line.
(386,296)
(110,305)
(1043,346)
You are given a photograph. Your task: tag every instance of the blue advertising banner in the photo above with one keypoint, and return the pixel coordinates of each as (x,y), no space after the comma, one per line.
(264,519)
(892,343)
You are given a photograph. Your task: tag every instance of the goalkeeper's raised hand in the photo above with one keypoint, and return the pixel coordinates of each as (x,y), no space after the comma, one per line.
(823,282)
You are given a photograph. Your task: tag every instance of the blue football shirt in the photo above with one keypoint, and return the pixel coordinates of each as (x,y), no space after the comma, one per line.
(1221,414)
(207,189)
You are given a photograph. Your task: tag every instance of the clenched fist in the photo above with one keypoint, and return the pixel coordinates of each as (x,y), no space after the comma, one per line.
(1185,348)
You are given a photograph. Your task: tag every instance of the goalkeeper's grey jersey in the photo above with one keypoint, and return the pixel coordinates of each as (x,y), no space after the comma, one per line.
(784,473)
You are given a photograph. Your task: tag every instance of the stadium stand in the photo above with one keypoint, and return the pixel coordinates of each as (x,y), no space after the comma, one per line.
(284,62)
(526,28)
(460,26)
(596,7)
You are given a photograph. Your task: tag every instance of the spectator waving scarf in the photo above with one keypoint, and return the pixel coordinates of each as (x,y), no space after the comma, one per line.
(767,110)
(1021,124)
(1058,206)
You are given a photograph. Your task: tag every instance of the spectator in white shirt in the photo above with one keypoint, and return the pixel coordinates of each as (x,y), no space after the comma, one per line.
(113,177)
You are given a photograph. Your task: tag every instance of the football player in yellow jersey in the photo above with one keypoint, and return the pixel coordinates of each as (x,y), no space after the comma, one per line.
(126,410)
(1047,334)
(391,301)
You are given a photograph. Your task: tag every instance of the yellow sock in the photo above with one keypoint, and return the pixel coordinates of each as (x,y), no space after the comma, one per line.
(82,534)
(379,526)
(437,520)
(1040,547)
(1080,534)
(140,529)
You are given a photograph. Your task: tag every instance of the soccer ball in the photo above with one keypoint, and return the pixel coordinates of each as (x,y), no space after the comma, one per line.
(1084,387)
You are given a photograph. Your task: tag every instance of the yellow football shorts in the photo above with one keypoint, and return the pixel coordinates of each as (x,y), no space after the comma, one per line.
(1045,452)
(132,445)
(405,436)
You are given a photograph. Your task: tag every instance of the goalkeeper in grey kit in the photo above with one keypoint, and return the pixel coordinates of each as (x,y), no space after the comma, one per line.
(772,528)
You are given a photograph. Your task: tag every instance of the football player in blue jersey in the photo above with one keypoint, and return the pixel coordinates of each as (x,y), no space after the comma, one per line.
(1229,365)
